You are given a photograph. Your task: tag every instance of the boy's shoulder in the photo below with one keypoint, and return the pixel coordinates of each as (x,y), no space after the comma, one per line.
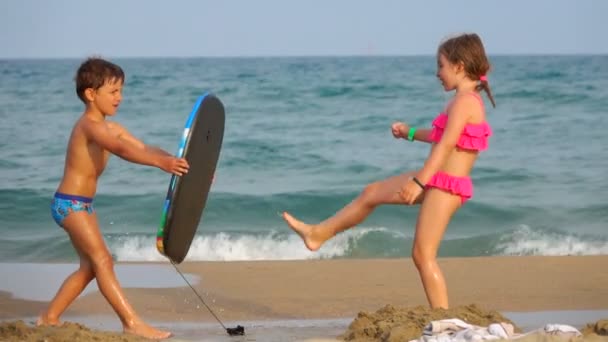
(89,124)
(116,128)
(92,130)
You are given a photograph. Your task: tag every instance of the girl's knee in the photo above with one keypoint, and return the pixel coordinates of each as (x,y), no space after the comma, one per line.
(369,193)
(423,258)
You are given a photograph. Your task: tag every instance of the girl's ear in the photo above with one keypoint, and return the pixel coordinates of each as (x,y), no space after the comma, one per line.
(89,94)
(459,67)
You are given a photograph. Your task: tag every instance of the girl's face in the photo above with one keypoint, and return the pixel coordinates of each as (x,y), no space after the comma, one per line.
(448,73)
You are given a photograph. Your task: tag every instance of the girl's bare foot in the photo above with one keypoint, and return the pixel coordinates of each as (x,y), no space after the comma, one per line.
(305,231)
(146,331)
(43,320)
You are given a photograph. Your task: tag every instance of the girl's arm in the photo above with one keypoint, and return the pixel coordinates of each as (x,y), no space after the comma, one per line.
(402,130)
(422,135)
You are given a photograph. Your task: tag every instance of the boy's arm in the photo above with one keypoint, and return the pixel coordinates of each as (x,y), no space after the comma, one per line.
(107,137)
(123,134)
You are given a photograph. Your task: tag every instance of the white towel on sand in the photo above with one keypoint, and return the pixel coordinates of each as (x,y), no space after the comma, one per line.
(456,330)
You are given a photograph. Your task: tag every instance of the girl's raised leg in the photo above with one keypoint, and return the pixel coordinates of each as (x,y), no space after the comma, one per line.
(374,194)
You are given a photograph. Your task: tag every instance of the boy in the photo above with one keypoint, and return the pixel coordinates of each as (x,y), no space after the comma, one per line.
(99,85)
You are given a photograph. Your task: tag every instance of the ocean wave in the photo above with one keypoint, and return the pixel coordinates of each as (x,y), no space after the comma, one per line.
(241,247)
(361,242)
(527,241)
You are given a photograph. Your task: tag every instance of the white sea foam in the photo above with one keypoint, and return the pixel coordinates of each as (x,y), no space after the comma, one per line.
(239,247)
(528,241)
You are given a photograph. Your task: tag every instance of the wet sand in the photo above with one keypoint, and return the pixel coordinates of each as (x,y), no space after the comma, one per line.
(336,289)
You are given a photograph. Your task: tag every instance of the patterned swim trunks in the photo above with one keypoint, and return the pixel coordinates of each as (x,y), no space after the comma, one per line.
(63,205)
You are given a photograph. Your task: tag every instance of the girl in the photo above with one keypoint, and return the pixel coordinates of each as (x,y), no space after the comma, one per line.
(443,184)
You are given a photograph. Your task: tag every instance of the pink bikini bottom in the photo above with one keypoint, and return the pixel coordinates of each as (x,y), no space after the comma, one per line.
(461,186)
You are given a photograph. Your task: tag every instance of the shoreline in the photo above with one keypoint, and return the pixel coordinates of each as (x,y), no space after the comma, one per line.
(297,288)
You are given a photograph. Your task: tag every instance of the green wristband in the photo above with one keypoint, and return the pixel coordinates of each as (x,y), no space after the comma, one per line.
(410,134)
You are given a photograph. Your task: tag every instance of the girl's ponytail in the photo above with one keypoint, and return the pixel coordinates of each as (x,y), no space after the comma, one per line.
(485,86)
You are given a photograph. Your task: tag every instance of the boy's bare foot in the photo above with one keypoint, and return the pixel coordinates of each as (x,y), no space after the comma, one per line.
(43,320)
(146,331)
(304,230)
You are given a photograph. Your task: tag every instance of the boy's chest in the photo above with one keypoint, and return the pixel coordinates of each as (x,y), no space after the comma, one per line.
(99,157)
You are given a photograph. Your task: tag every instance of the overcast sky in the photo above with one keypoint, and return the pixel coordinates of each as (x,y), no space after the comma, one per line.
(151,28)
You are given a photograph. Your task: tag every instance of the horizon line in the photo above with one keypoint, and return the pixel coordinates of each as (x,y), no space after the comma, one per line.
(533,54)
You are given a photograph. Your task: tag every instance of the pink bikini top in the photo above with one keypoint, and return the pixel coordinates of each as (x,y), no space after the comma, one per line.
(473,137)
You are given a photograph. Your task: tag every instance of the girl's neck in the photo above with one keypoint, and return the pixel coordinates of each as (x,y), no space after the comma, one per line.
(466,86)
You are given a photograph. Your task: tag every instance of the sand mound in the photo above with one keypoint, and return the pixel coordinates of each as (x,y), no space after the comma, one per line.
(390,324)
(20,331)
(404,324)
(599,328)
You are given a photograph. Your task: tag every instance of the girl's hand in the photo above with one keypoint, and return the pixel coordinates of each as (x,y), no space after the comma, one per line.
(399,130)
(410,191)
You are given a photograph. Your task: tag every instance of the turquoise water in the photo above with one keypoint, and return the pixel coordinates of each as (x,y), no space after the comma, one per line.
(305,135)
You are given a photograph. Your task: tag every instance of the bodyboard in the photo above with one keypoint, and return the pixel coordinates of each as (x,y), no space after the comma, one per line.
(187,195)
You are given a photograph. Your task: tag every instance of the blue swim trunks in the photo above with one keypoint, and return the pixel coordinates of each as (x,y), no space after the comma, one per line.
(63,205)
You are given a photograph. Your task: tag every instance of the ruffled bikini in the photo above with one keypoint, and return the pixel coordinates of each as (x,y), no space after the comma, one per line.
(474,137)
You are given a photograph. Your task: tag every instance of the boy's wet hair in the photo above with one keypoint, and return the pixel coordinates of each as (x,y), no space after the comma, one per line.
(94,73)
(468,50)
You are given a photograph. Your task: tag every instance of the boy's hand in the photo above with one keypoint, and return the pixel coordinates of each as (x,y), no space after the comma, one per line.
(176,166)
(399,130)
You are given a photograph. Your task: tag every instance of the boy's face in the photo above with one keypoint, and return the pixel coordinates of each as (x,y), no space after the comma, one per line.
(107,98)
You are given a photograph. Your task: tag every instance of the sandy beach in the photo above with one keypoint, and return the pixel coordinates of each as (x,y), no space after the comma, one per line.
(339,290)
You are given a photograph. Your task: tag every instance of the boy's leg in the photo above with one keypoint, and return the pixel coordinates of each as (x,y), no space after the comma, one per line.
(86,236)
(71,288)
(382,192)
(435,214)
